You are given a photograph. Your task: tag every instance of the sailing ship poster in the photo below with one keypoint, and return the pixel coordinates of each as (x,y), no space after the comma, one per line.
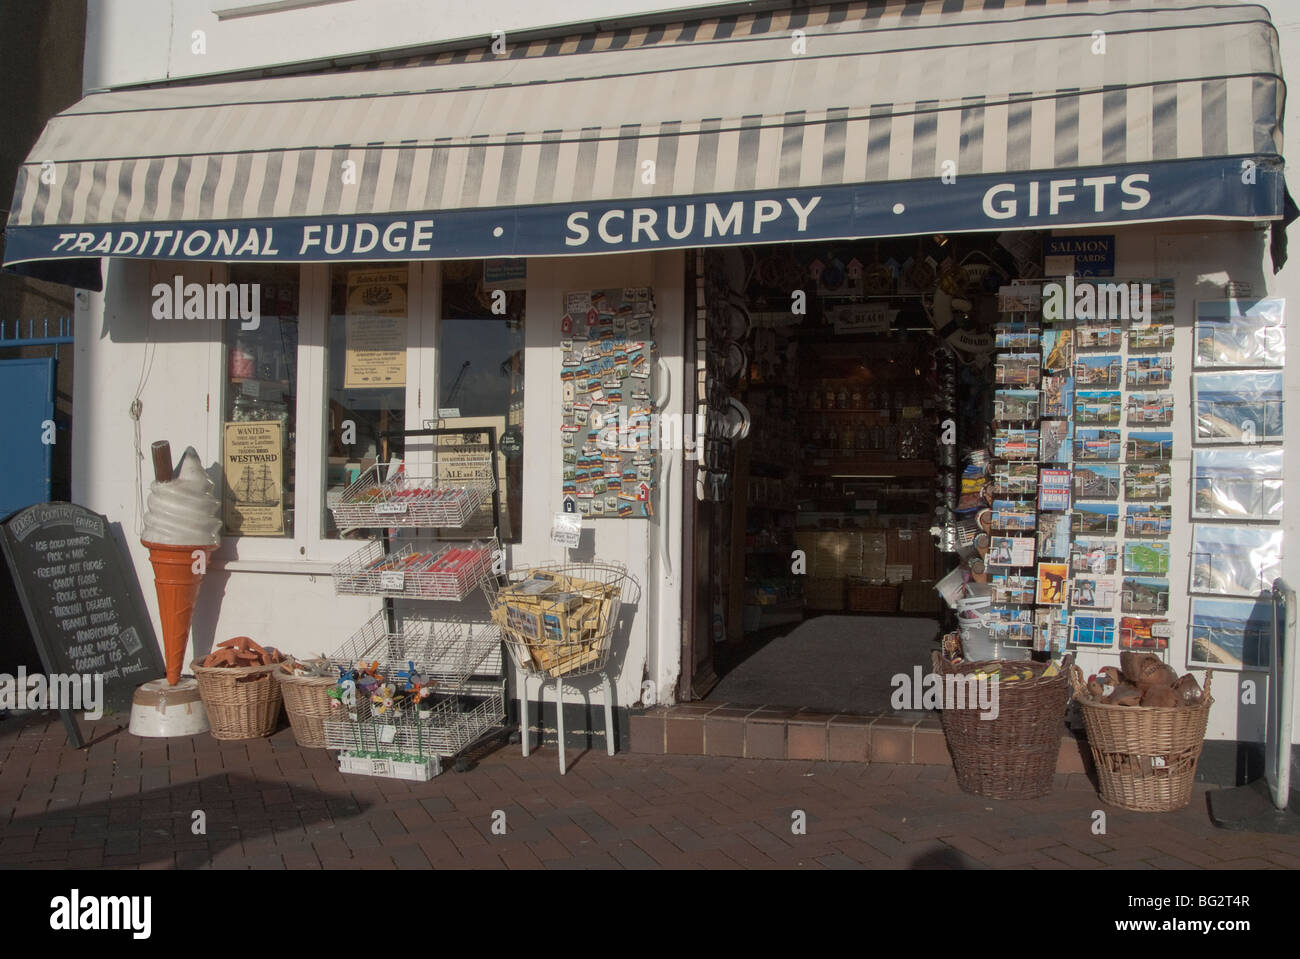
(253,458)
(1231,633)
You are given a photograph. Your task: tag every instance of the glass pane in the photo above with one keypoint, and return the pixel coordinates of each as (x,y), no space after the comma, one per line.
(366,386)
(481,373)
(261,400)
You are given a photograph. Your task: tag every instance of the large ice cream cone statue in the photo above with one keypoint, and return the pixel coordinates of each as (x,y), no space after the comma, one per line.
(177,574)
(181,531)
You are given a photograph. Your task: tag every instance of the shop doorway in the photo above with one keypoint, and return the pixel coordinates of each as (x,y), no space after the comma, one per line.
(834,384)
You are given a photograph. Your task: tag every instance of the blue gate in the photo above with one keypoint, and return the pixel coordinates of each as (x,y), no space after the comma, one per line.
(26,431)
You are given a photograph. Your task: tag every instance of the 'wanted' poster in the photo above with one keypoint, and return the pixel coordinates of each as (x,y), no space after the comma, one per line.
(376,329)
(253,457)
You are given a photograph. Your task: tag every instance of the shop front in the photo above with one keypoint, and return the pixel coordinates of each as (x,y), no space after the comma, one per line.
(778,209)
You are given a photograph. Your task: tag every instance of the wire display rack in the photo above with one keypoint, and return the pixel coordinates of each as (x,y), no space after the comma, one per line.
(450,573)
(447,498)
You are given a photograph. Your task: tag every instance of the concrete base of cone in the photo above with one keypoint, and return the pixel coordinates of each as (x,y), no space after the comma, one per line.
(159,709)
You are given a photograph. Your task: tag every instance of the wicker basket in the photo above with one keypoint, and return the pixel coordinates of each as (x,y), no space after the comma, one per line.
(307,706)
(1145,755)
(242,702)
(1014,755)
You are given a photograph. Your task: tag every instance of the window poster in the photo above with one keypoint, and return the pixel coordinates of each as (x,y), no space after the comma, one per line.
(253,457)
(607,411)
(376,329)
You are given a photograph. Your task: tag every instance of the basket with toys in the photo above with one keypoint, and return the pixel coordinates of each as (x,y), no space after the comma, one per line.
(239,692)
(1146,727)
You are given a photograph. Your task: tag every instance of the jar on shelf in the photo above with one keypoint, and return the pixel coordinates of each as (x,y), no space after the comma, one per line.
(842,399)
(855,400)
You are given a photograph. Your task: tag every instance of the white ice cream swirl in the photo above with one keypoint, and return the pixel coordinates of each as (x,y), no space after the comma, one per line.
(183,511)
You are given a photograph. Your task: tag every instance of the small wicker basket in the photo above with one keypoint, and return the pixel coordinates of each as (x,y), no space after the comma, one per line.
(1145,755)
(307,704)
(1014,755)
(242,702)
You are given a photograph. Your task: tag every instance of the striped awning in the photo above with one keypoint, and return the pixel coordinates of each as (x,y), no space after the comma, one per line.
(876,118)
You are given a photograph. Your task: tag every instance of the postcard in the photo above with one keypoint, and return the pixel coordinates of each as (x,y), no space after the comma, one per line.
(1097,407)
(1015,444)
(1008,624)
(1149,371)
(1100,557)
(1152,522)
(1152,558)
(1148,482)
(1054,441)
(1051,630)
(1139,632)
(1013,406)
(1018,336)
(1011,551)
(1151,446)
(1244,407)
(1053,536)
(1014,588)
(1017,369)
(1054,489)
(1095,519)
(1058,350)
(1089,335)
(1058,395)
(1098,370)
(1145,595)
(1235,560)
(1231,633)
(1013,515)
(1153,336)
(1051,584)
(1096,444)
(1150,409)
(1240,333)
(1092,631)
(1092,592)
(1237,483)
(1096,481)
(1013,479)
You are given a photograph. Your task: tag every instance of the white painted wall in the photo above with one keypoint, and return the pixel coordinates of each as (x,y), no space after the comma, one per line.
(144,41)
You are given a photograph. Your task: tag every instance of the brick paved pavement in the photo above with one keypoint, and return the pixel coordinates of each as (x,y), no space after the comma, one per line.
(129,802)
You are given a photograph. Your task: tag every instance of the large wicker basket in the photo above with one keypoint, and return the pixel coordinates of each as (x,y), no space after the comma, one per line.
(242,702)
(307,705)
(1145,755)
(1014,755)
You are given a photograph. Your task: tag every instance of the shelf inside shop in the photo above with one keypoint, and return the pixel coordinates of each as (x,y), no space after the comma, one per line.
(864,468)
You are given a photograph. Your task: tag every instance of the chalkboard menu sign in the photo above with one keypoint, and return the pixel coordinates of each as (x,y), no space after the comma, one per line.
(82,601)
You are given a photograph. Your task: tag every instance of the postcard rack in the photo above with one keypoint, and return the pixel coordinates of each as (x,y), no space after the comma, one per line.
(462,661)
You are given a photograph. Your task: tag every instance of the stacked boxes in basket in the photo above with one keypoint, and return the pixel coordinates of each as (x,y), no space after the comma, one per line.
(558,620)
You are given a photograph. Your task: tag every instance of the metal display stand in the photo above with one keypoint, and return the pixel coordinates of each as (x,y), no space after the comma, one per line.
(463,660)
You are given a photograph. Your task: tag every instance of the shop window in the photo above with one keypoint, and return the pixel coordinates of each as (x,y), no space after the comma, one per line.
(259,420)
(481,372)
(366,362)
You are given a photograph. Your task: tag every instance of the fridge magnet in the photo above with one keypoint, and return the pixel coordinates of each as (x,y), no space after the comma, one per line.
(1240,333)
(1244,407)
(1149,558)
(1235,560)
(1232,634)
(1096,481)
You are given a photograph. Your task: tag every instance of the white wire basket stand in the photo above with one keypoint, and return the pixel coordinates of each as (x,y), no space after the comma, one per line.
(558,621)
(446,496)
(450,573)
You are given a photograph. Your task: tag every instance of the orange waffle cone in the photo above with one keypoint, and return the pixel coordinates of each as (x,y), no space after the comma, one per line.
(178,588)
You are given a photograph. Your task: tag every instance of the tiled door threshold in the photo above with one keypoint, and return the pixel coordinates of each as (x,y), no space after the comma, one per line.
(778,732)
